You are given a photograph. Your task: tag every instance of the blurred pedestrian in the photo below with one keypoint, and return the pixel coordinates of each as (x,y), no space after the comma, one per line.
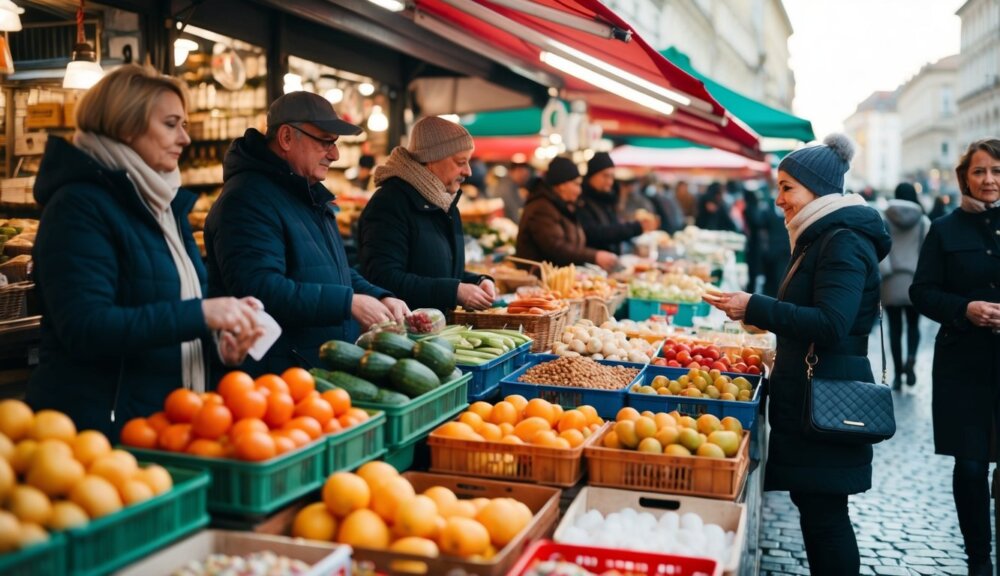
(942,206)
(956,285)
(753,219)
(775,248)
(905,220)
(513,190)
(664,201)
(713,211)
(603,225)
(688,199)
(363,179)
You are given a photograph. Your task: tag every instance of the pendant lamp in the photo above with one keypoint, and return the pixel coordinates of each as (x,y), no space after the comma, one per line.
(10,21)
(83,71)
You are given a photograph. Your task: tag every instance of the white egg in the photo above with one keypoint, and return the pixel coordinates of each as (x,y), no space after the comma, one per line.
(574,535)
(646,521)
(670,521)
(691,521)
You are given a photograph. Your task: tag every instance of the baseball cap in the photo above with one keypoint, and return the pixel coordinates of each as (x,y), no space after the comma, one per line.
(308,107)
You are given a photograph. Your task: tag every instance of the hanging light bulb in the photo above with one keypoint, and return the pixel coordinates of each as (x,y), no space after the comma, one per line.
(377,121)
(334,95)
(83,71)
(366,89)
(450,117)
(183,47)
(293,83)
(10,16)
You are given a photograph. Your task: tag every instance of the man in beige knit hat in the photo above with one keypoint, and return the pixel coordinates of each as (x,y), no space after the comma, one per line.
(410,233)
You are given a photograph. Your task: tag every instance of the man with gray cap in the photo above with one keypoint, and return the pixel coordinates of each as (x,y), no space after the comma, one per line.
(410,233)
(273,235)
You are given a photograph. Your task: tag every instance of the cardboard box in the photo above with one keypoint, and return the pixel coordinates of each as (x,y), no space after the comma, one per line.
(30,144)
(325,558)
(17,190)
(728,515)
(47,115)
(69,114)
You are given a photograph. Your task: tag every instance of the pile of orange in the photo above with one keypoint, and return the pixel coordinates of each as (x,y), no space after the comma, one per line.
(244,418)
(377,508)
(516,420)
(675,434)
(53,478)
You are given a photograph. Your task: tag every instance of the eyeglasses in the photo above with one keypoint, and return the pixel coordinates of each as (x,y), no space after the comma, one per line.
(326,143)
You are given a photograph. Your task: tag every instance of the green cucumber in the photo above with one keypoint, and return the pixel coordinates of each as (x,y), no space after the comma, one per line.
(412,378)
(391,397)
(435,357)
(357,388)
(455,375)
(442,342)
(375,366)
(394,345)
(339,355)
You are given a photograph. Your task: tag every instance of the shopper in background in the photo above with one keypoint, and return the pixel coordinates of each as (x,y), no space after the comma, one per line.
(513,190)
(905,220)
(753,220)
(410,233)
(956,284)
(549,230)
(830,300)
(713,210)
(664,201)
(598,214)
(118,272)
(363,180)
(688,199)
(776,246)
(273,235)
(942,206)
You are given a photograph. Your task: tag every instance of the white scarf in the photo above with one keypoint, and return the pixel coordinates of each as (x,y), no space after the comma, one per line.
(401,164)
(156,190)
(975,205)
(817,209)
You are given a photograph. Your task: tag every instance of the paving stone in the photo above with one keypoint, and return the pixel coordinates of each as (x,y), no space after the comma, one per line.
(891,571)
(769,544)
(890,554)
(929,553)
(778,552)
(782,560)
(918,561)
(955,570)
(867,571)
(871,561)
(952,562)
(867,552)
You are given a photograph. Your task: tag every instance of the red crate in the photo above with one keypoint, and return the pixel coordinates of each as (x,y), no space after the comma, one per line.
(600,560)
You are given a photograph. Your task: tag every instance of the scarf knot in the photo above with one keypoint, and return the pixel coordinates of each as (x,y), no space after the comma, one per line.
(817,210)
(975,205)
(401,164)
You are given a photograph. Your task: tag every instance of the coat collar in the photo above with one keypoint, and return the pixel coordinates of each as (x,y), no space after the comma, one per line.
(418,202)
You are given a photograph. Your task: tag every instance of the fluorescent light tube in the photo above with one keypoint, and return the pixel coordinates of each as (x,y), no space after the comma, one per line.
(605,83)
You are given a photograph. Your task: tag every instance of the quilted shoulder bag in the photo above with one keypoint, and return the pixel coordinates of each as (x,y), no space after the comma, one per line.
(845,411)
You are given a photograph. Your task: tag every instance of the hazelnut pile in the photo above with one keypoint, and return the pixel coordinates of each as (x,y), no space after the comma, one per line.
(579,372)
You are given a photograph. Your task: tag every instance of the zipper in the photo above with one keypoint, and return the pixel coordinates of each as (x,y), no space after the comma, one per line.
(118,387)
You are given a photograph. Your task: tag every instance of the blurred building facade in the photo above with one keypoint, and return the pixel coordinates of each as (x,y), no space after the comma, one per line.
(875,127)
(978,93)
(928,126)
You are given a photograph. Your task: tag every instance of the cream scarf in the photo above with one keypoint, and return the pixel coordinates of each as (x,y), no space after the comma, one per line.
(975,205)
(156,190)
(402,165)
(817,209)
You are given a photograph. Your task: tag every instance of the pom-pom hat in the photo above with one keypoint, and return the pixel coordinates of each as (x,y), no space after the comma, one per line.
(821,168)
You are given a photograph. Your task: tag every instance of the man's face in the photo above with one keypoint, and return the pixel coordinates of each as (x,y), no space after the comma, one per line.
(452,171)
(309,150)
(603,181)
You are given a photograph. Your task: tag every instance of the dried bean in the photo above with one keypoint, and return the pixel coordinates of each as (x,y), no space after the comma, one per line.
(579,372)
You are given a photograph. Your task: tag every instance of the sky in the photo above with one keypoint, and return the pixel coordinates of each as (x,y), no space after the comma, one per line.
(843,50)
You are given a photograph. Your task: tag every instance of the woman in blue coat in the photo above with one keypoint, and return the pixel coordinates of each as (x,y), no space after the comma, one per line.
(832,300)
(957,283)
(117,269)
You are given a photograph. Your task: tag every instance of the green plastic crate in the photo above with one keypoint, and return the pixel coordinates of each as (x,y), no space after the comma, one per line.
(113,541)
(45,558)
(253,488)
(356,445)
(405,422)
(401,457)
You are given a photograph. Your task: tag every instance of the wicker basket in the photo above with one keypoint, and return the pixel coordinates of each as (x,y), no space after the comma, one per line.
(17,269)
(543,328)
(13,300)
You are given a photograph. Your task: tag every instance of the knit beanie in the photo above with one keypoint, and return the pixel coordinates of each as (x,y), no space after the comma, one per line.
(561,170)
(821,168)
(434,138)
(599,161)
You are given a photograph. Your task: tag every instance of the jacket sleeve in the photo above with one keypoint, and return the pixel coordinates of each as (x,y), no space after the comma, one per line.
(362,286)
(546,230)
(928,292)
(249,248)
(385,251)
(78,274)
(601,233)
(838,285)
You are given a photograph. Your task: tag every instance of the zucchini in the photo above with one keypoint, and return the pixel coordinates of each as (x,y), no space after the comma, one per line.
(394,345)
(339,355)
(358,389)
(412,378)
(455,375)
(442,342)
(391,397)
(438,359)
(375,366)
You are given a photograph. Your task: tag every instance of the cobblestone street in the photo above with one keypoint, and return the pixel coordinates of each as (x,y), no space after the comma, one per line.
(906,524)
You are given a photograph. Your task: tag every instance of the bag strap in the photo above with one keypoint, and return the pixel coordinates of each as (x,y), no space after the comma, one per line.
(811,358)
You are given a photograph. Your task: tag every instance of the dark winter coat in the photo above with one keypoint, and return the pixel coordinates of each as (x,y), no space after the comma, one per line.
(960,263)
(412,247)
(907,226)
(598,215)
(549,230)
(272,236)
(112,318)
(831,300)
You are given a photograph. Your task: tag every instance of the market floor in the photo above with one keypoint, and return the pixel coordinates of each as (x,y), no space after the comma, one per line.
(906,524)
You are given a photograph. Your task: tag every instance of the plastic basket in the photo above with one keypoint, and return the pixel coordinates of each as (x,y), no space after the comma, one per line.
(108,543)
(14,299)
(488,375)
(745,412)
(491,395)
(253,488)
(356,445)
(521,462)
(44,558)
(610,560)
(720,478)
(401,457)
(681,313)
(606,402)
(414,419)
(542,328)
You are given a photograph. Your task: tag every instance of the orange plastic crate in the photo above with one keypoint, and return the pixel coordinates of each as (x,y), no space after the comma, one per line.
(520,462)
(696,476)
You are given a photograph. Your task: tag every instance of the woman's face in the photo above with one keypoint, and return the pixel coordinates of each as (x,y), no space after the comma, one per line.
(983,177)
(160,146)
(792,195)
(569,191)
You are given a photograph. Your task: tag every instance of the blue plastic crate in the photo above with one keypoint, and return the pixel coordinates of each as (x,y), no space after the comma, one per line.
(487,376)
(745,412)
(606,402)
(681,313)
(491,395)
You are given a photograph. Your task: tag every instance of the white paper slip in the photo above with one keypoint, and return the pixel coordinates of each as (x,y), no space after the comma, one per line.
(271,333)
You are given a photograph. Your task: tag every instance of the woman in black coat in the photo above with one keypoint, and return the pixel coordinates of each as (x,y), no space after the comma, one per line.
(957,283)
(830,300)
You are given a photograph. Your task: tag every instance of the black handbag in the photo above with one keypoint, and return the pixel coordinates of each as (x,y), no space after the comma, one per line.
(845,411)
